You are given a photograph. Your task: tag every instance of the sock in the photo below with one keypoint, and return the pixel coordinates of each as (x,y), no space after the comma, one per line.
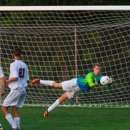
(10,120)
(54,105)
(47,82)
(17,121)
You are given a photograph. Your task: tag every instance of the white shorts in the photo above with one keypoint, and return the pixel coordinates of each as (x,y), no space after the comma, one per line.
(15,98)
(71,87)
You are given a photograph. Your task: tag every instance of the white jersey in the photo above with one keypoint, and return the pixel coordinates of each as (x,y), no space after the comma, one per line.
(20,70)
(1,73)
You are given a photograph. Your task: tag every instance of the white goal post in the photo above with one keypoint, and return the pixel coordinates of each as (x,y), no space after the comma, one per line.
(63,42)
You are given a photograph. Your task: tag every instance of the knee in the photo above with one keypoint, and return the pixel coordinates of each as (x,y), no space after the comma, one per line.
(4,108)
(54,85)
(14,109)
(57,85)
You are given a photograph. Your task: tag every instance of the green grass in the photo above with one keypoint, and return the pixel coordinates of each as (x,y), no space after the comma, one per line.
(73,118)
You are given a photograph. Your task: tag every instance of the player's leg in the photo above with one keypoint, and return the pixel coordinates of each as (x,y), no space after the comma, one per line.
(8,117)
(66,85)
(47,83)
(12,99)
(51,83)
(70,87)
(55,104)
(9,101)
(58,101)
(19,105)
(16,116)
(5,110)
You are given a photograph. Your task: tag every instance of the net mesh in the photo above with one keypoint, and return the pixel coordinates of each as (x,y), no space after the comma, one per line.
(60,45)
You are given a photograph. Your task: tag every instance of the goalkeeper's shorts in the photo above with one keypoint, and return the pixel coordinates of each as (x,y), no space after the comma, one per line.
(71,87)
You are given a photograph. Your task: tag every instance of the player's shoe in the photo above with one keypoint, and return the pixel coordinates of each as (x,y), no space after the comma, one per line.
(1,128)
(46,113)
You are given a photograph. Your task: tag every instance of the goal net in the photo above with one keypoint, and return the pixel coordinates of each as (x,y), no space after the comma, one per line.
(63,44)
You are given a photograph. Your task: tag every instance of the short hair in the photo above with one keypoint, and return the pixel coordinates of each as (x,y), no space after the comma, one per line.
(17,52)
(96,64)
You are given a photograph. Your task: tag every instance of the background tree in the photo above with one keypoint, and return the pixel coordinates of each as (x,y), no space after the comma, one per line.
(63,2)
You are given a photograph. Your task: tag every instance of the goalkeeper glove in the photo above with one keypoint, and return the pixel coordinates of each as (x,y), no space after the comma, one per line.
(111,80)
(95,83)
(35,81)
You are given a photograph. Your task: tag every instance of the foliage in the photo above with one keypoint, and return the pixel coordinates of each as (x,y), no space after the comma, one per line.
(64,2)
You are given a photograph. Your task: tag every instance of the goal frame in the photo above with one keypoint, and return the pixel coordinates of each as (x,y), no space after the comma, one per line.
(47,8)
(63,8)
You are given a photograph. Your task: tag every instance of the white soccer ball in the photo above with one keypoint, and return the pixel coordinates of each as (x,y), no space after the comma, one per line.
(104,80)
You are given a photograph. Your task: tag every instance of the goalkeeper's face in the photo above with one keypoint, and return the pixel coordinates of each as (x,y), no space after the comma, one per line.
(97,70)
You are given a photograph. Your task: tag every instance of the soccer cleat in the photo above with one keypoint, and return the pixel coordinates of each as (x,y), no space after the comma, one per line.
(1,128)
(46,113)
(35,81)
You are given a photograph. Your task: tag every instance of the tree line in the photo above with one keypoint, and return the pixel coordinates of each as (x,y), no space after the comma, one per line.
(63,2)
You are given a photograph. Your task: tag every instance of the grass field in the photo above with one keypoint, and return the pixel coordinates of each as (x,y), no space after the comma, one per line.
(72,118)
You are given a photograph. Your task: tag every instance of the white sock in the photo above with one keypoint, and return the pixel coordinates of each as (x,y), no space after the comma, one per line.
(47,82)
(10,120)
(17,121)
(54,105)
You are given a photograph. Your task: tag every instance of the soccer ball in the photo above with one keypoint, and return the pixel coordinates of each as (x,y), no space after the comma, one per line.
(104,80)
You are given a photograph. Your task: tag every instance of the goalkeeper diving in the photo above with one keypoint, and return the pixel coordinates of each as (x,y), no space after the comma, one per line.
(71,87)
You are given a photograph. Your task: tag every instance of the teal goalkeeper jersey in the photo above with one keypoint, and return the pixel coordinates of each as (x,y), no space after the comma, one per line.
(87,82)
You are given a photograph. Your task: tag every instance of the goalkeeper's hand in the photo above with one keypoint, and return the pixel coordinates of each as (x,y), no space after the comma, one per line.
(95,83)
(111,80)
(35,81)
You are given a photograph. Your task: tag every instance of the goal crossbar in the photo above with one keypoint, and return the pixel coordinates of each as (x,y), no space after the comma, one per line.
(58,8)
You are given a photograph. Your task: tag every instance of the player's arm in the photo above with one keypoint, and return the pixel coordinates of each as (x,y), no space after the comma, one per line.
(12,79)
(3,86)
(2,77)
(90,81)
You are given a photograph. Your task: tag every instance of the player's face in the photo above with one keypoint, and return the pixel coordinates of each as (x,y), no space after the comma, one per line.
(97,70)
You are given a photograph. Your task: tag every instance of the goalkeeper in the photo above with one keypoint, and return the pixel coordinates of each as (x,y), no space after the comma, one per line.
(72,86)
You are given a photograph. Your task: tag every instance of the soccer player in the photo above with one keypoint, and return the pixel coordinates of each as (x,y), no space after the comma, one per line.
(84,83)
(3,79)
(17,83)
